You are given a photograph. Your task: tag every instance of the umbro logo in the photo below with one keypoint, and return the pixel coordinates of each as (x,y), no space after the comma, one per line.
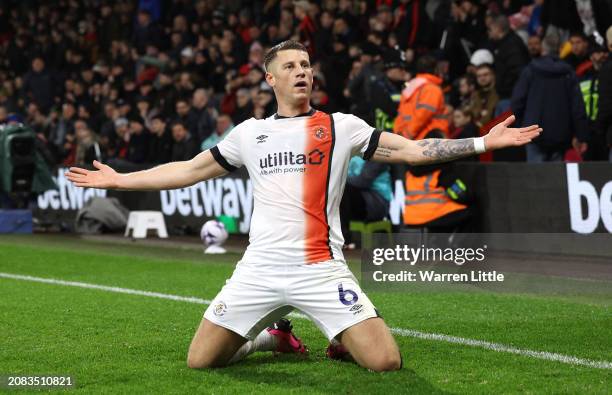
(261,138)
(356,307)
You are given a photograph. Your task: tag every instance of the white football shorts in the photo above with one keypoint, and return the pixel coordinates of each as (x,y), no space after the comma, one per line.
(258,295)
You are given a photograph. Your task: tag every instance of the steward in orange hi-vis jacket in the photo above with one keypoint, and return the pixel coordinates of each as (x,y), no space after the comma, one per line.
(421,107)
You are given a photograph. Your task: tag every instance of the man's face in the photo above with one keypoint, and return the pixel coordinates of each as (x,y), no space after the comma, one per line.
(136,127)
(467,6)
(38,65)
(495,33)
(223,122)
(157,126)
(534,46)
(326,20)
(484,77)
(465,88)
(598,58)
(579,46)
(78,125)
(82,134)
(68,110)
(179,132)
(396,74)
(182,108)
(143,19)
(290,75)
(242,98)
(200,98)
(460,119)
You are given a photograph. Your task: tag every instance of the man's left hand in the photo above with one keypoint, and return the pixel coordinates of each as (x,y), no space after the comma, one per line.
(502,136)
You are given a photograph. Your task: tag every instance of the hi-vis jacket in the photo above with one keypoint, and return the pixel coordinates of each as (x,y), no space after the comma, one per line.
(421,108)
(425,200)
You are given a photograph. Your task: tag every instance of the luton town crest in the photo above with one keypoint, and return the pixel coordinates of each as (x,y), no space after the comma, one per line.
(320,133)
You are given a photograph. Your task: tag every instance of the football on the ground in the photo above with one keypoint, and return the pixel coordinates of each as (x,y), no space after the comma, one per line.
(213,233)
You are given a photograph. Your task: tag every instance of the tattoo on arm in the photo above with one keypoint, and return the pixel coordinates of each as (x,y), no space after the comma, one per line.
(384,152)
(440,150)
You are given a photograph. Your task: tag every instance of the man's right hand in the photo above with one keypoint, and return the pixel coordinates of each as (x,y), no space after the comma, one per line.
(104,178)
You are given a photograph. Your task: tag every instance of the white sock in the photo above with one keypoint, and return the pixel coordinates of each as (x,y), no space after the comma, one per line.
(263,342)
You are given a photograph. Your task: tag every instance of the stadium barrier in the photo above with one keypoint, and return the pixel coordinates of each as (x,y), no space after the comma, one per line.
(510,198)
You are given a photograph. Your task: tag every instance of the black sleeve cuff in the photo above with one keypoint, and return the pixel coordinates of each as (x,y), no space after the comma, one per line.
(221,160)
(367,155)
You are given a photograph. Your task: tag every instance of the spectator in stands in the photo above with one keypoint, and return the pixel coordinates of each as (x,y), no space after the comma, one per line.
(184,147)
(160,142)
(366,196)
(422,106)
(87,148)
(465,87)
(534,46)
(485,98)
(466,31)
(579,54)
(244,106)
(510,55)
(39,85)
(138,142)
(185,116)
(117,147)
(204,112)
(224,126)
(546,87)
(379,92)
(61,131)
(589,86)
(463,127)
(605,96)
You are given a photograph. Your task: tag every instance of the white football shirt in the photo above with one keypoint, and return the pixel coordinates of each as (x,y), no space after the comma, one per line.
(298,167)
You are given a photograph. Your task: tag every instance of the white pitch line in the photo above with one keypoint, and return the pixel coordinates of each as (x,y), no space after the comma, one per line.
(567,359)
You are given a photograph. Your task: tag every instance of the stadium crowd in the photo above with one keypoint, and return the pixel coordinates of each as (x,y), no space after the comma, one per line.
(147,82)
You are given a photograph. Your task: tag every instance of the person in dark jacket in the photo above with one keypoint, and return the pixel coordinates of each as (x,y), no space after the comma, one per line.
(367,195)
(379,92)
(589,86)
(184,146)
(39,85)
(605,96)
(510,55)
(548,94)
(160,143)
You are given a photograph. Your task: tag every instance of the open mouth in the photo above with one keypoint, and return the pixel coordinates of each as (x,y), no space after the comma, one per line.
(301,84)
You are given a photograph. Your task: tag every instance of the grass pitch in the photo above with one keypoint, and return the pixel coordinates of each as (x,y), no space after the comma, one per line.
(118,343)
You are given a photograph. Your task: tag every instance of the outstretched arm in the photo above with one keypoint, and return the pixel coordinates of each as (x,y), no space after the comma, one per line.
(167,176)
(393,148)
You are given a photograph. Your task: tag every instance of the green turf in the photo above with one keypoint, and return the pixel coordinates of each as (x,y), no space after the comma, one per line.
(115,343)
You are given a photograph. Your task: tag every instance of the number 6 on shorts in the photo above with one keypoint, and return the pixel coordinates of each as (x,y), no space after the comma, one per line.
(342,293)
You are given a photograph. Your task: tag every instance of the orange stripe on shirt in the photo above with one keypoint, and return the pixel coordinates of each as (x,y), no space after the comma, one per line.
(319,148)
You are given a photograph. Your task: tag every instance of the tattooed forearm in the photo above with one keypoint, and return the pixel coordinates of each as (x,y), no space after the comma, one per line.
(383,152)
(441,150)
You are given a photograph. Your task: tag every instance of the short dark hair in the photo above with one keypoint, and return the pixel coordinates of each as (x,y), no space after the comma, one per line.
(502,22)
(177,123)
(284,46)
(426,64)
(485,66)
(579,34)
